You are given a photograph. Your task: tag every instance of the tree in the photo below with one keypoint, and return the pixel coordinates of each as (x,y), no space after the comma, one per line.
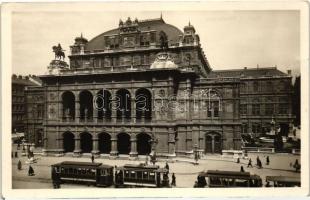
(296,101)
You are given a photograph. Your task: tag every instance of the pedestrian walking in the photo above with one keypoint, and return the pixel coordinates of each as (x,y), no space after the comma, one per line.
(173,183)
(16,154)
(12,155)
(241,169)
(18,145)
(259,164)
(250,163)
(19,165)
(92,158)
(267,160)
(257,160)
(238,160)
(167,166)
(30,171)
(296,165)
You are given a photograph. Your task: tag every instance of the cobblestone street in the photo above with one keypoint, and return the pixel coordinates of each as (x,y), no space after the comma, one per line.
(186,172)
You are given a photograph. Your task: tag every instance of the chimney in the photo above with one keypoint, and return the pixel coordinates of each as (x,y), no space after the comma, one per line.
(289,72)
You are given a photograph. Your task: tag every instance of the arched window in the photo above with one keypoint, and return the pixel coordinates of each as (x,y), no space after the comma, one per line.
(123,104)
(68,105)
(143,104)
(86,105)
(103,105)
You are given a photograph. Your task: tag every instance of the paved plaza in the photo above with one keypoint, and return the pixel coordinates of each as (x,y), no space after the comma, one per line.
(186,172)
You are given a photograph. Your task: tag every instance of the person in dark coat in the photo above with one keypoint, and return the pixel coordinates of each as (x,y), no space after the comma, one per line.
(16,154)
(267,160)
(241,169)
(30,171)
(167,167)
(92,158)
(250,163)
(296,165)
(19,165)
(173,183)
(238,160)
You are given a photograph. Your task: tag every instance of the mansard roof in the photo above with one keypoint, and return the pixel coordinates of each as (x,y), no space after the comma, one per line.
(248,73)
(158,25)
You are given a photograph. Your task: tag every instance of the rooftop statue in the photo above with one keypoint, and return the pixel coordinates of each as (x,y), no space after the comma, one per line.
(59,52)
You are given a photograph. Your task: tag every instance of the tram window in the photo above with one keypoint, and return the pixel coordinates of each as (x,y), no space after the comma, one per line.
(145,175)
(57,169)
(79,171)
(103,172)
(240,182)
(126,174)
(133,174)
(62,170)
(75,171)
(70,170)
(152,175)
(139,175)
(83,171)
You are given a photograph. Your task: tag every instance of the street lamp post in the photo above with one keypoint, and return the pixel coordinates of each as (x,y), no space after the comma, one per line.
(196,154)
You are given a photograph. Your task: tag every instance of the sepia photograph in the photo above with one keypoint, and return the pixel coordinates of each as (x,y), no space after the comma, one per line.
(120,96)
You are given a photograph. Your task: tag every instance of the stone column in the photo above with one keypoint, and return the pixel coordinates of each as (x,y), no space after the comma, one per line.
(171,142)
(133,110)
(77,151)
(133,153)
(60,111)
(95,150)
(114,109)
(77,108)
(95,114)
(114,151)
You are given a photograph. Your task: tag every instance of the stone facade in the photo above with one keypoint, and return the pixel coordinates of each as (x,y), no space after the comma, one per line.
(140,87)
(34,99)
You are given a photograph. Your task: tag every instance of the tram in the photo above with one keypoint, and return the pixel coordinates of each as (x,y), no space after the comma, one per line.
(101,175)
(282,181)
(217,178)
(141,176)
(82,172)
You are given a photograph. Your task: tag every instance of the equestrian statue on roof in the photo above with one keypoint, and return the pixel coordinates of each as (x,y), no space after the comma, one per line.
(59,52)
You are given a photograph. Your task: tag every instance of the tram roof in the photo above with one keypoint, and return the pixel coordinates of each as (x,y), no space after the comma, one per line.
(218,173)
(283,179)
(82,164)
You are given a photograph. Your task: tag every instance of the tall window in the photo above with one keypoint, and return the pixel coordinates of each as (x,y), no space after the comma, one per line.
(243,109)
(269,86)
(255,86)
(283,108)
(269,106)
(255,107)
(213,103)
(244,128)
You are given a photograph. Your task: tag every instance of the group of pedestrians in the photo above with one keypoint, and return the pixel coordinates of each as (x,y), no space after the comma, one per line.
(258,163)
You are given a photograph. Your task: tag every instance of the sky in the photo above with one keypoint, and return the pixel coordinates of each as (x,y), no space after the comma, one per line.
(230,39)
